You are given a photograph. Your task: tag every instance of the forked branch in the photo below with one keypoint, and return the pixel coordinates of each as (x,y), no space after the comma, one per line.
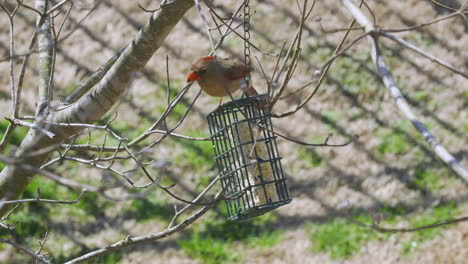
(385,74)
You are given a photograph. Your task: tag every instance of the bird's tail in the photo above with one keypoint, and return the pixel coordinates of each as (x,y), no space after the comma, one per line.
(252,91)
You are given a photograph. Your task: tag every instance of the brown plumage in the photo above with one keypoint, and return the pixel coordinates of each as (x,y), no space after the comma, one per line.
(219,77)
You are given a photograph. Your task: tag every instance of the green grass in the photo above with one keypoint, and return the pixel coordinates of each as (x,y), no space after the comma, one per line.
(208,249)
(312,158)
(214,241)
(438,214)
(420,96)
(420,40)
(18,134)
(354,78)
(196,154)
(150,208)
(393,142)
(114,257)
(126,130)
(176,113)
(31,218)
(340,238)
(465,124)
(464,95)
(427,178)
(179,110)
(329,116)
(16,138)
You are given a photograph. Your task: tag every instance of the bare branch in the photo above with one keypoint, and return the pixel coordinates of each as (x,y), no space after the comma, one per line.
(50,175)
(379,228)
(424,24)
(178,213)
(20,3)
(179,135)
(324,144)
(205,22)
(43,241)
(423,53)
(231,29)
(83,192)
(445,6)
(7,136)
(46,54)
(295,56)
(400,101)
(10,15)
(322,76)
(24,65)
(63,22)
(25,250)
(18,122)
(58,6)
(87,84)
(152,237)
(175,126)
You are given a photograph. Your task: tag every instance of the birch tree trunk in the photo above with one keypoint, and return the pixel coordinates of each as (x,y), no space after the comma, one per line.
(90,108)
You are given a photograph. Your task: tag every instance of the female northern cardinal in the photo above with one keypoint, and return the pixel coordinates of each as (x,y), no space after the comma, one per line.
(220,77)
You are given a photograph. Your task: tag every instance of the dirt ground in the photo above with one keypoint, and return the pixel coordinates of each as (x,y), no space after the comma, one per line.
(369,173)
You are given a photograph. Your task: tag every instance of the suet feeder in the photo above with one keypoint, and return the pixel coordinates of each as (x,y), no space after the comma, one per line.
(247,157)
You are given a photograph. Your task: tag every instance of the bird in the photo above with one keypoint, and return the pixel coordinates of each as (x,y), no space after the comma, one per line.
(220,77)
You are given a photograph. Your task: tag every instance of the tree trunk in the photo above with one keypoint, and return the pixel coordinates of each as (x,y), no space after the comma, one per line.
(14,178)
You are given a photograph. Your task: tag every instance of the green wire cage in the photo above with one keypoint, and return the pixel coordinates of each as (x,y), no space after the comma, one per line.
(247,157)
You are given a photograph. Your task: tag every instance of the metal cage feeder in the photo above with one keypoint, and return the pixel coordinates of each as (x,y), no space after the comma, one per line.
(247,157)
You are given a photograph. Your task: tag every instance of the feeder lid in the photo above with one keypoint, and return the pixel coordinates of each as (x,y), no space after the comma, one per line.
(243,101)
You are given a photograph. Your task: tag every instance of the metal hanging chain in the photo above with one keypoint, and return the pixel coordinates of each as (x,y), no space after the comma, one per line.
(247,41)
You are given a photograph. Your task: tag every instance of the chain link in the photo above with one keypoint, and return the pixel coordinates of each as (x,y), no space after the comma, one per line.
(246,40)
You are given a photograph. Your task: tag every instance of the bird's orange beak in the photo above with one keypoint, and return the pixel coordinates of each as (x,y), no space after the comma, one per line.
(193,77)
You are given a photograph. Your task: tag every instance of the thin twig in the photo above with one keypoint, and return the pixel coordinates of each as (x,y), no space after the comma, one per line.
(6,137)
(24,65)
(423,53)
(25,250)
(423,24)
(83,87)
(63,21)
(202,193)
(83,192)
(295,56)
(19,122)
(12,54)
(205,22)
(58,6)
(379,228)
(43,241)
(395,92)
(444,6)
(321,79)
(229,27)
(152,237)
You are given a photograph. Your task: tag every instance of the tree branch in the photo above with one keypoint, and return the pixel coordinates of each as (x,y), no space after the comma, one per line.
(142,239)
(400,101)
(14,178)
(25,250)
(46,46)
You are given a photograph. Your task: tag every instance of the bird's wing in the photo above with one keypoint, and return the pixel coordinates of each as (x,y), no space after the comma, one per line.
(236,70)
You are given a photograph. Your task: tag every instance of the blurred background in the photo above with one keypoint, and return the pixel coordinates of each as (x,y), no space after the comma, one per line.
(388,173)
